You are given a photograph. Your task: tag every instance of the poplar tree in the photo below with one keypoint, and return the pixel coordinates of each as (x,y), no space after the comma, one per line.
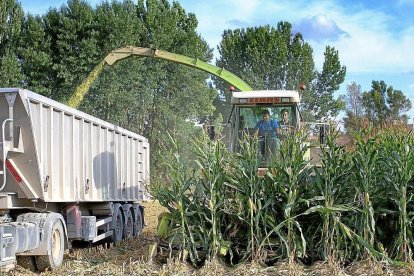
(271,58)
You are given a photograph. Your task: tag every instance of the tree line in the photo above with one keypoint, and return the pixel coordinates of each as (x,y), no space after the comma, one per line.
(381,105)
(53,53)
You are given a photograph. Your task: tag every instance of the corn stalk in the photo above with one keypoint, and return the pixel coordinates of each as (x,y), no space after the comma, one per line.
(399,173)
(288,175)
(365,175)
(329,191)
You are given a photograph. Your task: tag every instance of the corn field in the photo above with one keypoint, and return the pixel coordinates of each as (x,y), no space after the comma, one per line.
(357,205)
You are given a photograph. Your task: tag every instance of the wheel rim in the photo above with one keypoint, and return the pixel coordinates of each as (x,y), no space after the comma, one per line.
(56,244)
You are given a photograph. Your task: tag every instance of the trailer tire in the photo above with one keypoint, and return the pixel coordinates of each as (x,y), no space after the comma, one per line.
(27,262)
(118,231)
(138,223)
(129,225)
(56,248)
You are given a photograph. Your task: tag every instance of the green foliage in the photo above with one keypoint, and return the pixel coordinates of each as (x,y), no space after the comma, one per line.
(231,211)
(321,102)
(73,39)
(11,16)
(398,168)
(384,104)
(274,58)
(117,25)
(264,57)
(35,55)
(366,174)
(145,95)
(353,122)
(397,103)
(357,205)
(290,172)
(330,229)
(10,70)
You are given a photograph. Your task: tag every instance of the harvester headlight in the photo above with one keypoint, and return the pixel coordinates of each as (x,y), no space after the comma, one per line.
(243,101)
(285,99)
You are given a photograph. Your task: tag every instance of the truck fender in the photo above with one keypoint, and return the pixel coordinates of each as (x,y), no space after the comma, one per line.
(45,223)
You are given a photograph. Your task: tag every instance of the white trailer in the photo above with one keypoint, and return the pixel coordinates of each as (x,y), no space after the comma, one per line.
(65,176)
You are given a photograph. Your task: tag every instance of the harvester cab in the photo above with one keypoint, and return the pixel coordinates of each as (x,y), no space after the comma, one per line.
(248,109)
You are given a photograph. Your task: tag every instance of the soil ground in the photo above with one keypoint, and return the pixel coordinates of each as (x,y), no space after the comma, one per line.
(132,258)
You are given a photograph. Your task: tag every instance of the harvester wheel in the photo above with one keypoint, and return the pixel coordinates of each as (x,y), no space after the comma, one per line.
(56,248)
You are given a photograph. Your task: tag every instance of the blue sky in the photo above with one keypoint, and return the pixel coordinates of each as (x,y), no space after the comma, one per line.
(375,38)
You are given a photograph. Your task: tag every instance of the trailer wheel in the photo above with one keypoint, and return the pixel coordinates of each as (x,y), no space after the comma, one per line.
(129,225)
(27,262)
(138,223)
(56,248)
(119,228)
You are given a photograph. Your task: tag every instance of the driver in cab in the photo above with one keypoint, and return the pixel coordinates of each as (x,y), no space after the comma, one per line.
(285,128)
(267,129)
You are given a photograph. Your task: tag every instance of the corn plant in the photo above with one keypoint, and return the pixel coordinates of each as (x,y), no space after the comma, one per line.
(176,198)
(398,163)
(286,178)
(366,172)
(248,196)
(330,200)
(344,210)
(212,160)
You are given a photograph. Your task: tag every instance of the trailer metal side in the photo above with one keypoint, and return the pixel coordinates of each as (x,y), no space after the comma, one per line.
(60,154)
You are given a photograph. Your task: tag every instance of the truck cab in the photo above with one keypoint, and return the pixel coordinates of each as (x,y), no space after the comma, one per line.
(248,108)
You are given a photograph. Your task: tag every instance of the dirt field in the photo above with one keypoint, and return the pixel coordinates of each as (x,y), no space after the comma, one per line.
(131,258)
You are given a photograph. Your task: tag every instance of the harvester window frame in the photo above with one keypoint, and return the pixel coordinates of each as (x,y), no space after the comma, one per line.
(274,113)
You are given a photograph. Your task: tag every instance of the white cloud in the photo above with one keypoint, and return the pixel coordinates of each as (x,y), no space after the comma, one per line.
(411,86)
(371,44)
(318,28)
(368,50)
(213,18)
